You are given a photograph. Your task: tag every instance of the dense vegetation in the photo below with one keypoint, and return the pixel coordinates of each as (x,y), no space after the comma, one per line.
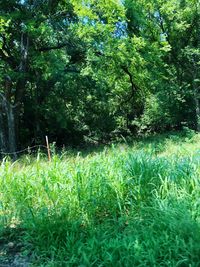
(100,72)
(126,205)
(94,70)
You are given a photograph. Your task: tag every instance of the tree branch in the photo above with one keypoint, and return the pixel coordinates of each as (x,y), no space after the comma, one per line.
(54,47)
(134,87)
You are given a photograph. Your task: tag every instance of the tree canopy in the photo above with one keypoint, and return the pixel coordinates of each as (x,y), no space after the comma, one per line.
(79,70)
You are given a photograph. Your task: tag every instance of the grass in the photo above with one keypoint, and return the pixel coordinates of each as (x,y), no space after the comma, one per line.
(127,205)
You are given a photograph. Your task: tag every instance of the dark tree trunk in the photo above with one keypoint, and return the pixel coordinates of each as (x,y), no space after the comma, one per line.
(13,101)
(7,127)
(10,104)
(197,108)
(3,146)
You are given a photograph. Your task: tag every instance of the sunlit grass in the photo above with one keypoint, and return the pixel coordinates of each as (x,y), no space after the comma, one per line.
(127,205)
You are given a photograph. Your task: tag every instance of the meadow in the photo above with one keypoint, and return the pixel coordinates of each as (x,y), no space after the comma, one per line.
(127,204)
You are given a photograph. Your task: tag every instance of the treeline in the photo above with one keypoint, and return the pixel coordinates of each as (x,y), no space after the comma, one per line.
(96,69)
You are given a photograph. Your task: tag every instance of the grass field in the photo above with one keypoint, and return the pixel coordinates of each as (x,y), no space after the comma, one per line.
(126,205)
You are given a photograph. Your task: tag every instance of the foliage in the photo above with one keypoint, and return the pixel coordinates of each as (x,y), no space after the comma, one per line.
(82,70)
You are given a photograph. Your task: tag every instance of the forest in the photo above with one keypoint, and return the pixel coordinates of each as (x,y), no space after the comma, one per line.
(114,85)
(96,70)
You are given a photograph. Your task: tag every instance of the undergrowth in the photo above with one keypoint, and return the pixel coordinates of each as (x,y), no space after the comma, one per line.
(135,205)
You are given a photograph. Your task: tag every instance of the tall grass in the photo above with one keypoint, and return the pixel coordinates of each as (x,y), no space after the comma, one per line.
(124,206)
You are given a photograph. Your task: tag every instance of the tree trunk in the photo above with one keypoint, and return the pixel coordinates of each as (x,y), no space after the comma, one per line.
(197,108)
(11,128)
(7,127)
(2,130)
(11,98)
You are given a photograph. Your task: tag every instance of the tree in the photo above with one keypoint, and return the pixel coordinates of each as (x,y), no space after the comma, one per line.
(29,29)
(96,69)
